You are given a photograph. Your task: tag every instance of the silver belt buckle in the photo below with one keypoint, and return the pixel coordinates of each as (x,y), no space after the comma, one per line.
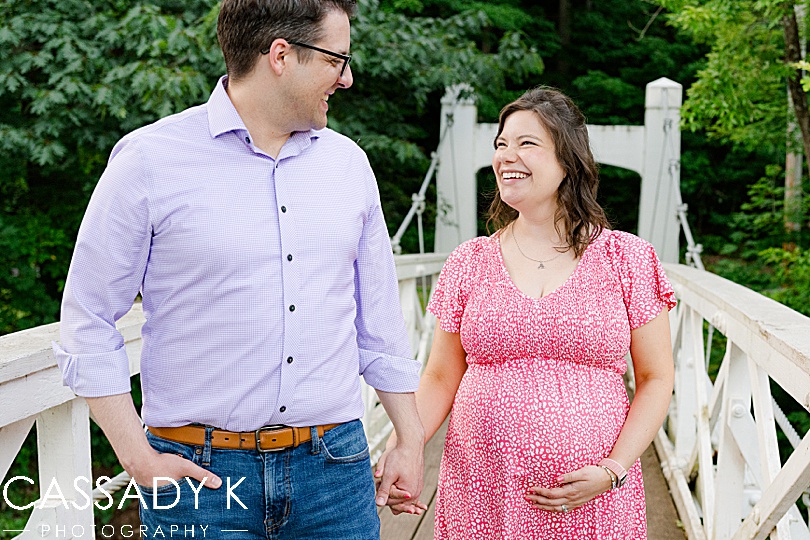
(258,433)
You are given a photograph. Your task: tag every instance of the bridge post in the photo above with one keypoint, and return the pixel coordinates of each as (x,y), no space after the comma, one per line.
(63,442)
(661,175)
(456,198)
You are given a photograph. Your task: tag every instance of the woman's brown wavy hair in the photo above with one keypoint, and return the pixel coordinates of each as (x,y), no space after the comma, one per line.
(579,218)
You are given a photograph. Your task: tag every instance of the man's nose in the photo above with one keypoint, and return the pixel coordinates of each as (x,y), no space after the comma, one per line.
(346,79)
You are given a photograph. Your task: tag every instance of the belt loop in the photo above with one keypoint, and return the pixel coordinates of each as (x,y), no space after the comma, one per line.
(206,457)
(316,440)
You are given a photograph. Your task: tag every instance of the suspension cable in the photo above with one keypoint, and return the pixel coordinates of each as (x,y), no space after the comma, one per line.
(418,199)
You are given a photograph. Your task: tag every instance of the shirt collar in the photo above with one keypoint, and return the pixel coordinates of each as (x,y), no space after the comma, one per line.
(223,117)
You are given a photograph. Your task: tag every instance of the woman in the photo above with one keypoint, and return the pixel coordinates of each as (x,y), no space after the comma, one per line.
(534,324)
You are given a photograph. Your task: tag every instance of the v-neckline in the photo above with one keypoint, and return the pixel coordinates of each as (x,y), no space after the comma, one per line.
(497,238)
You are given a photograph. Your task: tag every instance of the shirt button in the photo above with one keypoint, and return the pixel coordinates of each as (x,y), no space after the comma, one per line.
(283,208)
(282,409)
(289,359)
(247,140)
(289,257)
(292,308)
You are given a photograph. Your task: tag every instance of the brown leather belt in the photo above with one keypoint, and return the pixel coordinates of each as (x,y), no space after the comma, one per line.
(264,439)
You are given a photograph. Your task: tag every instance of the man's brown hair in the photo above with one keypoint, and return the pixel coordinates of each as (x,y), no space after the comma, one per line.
(245,27)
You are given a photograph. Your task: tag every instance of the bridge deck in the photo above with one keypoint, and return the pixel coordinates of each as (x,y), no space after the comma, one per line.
(662,519)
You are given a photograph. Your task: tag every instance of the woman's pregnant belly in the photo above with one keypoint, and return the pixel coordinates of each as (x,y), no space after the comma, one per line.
(535,419)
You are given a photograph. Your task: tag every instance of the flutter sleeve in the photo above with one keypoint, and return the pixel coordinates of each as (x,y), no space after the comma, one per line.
(453,287)
(645,286)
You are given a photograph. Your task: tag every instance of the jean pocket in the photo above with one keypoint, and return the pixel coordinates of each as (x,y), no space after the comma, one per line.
(163,490)
(165,446)
(345,444)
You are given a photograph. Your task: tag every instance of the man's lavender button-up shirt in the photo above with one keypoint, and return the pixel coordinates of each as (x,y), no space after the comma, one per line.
(268,284)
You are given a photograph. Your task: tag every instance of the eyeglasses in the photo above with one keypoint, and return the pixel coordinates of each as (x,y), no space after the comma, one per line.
(345,57)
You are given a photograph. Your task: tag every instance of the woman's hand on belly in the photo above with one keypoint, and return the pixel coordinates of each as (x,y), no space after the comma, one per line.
(576,488)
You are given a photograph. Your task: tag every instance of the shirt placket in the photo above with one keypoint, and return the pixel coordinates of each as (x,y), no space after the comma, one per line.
(291,285)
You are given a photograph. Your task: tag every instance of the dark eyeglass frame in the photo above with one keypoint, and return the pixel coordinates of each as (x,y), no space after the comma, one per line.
(345,57)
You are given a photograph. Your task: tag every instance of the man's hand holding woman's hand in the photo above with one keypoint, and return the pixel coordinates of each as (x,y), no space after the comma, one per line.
(399,479)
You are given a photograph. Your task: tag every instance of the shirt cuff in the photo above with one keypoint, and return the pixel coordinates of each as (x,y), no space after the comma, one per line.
(394,374)
(94,375)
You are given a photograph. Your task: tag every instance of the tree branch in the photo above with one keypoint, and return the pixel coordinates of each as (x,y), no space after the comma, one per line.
(643,31)
(793,54)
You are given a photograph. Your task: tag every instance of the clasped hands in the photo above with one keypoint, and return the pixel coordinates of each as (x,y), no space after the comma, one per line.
(399,478)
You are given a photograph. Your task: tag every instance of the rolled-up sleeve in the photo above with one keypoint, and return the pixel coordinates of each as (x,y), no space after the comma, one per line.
(105,276)
(386,361)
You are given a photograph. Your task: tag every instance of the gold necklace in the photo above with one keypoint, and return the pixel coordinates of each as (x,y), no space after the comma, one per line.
(541,265)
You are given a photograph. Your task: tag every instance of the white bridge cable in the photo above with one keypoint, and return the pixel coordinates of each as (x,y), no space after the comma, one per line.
(693,249)
(418,205)
(111,486)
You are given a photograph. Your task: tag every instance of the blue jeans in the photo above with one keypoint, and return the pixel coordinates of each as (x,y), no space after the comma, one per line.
(323,489)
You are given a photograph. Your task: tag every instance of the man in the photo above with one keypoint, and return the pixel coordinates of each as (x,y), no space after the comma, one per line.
(256,239)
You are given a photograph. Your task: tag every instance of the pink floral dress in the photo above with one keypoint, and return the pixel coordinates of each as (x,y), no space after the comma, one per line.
(543,393)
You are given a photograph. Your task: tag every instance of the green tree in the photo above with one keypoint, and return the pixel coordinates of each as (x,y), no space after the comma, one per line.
(739,95)
(615,48)
(74,77)
(754,61)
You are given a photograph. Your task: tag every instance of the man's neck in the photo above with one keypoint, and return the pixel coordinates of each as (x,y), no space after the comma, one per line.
(269,133)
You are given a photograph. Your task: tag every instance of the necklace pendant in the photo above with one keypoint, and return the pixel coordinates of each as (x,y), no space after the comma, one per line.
(541,266)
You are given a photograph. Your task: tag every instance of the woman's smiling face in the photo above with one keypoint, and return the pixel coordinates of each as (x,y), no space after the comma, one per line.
(525,163)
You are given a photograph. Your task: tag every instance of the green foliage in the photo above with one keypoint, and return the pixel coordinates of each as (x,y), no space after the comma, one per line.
(760,222)
(79,74)
(753,252)
(609,61)
(28,249)
(792,272)
(740,93)
(74,77)
(610,99)
(713,182)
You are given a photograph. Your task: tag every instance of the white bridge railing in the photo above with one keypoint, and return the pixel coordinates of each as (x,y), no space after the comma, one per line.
(31,393)
(718,448)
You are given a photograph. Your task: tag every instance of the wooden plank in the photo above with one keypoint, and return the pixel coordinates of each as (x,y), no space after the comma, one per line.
(679,488)
(705,480)
(662,518)
(425,530)
(404,526)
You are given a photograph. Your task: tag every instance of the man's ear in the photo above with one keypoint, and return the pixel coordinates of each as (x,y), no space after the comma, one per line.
(277,58)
